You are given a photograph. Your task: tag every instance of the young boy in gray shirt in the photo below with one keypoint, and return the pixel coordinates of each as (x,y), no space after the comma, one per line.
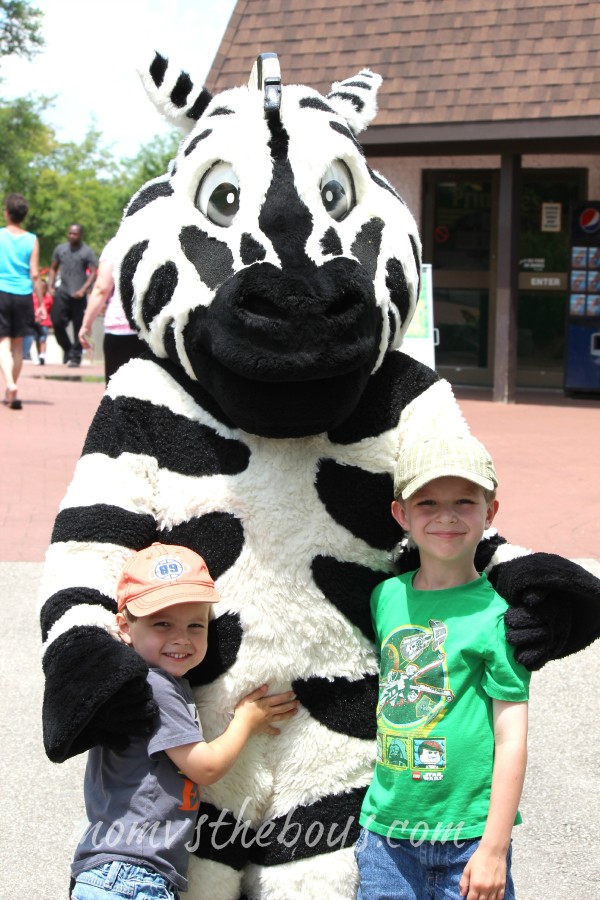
(142,802)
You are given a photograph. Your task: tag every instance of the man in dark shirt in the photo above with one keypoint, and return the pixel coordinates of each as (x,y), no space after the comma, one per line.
(72,272)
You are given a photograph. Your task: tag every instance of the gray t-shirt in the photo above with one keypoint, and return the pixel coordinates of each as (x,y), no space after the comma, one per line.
(140,808)
(73,264)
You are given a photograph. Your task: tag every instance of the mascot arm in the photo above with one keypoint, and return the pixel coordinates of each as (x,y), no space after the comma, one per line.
(96,690)
(555,603)
(96,693)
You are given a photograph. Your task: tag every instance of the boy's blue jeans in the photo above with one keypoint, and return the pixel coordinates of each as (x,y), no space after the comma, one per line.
(400,870)
(122,879)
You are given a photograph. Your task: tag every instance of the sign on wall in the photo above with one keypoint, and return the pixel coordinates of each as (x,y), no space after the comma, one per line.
(551,216)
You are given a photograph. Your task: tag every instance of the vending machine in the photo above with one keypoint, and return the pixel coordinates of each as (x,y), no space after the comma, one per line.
(582,358)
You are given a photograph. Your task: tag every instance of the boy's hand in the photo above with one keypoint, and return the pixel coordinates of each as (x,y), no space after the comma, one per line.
(484,877)
(259,711)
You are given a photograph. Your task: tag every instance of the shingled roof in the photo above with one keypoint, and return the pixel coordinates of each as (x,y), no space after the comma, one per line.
(450,63)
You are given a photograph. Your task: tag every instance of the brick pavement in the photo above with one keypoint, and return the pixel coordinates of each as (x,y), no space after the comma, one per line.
(545,447)
(546,454)
(39,446)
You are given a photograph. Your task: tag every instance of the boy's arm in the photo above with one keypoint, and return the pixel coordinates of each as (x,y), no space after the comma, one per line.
(205,763)
(484,876)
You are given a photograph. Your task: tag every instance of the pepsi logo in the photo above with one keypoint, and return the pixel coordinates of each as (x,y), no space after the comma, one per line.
(589,220)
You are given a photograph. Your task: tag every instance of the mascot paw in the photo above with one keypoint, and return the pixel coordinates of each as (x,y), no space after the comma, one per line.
(130,712)
(536,639)
(555,606)
(96,693)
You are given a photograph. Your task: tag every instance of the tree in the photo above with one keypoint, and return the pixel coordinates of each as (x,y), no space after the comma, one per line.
(152,160)
(20,29)
(84,183)
(75,183)
(70,182)
(23,138)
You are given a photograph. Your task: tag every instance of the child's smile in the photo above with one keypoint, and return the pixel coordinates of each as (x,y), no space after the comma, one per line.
(173,639)
(446,517)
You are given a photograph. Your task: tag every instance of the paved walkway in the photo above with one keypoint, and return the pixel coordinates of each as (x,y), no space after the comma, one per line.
(40,445)
(545,448)
(546,453)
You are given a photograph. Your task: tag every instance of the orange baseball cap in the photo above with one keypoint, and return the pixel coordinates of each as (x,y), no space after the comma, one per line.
(164,575)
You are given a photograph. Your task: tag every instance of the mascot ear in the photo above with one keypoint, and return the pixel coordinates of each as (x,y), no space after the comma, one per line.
(355,99)
(173,94)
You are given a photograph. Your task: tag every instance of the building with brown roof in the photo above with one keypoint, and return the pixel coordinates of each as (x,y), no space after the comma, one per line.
(489,126)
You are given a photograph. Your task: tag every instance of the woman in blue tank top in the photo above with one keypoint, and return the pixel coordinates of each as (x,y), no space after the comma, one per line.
(19,275)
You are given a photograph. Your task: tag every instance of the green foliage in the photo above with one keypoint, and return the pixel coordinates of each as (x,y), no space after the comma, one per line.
(152,160)
(75,183)
(20,29)
(69,182)
(64,182)
(23,138)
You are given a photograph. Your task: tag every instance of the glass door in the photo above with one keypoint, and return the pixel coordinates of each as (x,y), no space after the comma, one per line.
(546,198)
(457,240)
(460,240)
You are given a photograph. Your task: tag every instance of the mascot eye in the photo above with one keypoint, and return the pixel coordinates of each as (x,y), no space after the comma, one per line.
(337,190)
(218,196)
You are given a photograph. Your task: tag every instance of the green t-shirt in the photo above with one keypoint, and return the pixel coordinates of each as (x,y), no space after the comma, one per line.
(444,656)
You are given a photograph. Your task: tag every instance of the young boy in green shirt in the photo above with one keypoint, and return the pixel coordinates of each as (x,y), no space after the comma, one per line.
(452,711)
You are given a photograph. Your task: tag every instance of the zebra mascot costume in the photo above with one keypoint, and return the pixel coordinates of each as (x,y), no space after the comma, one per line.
(272,275)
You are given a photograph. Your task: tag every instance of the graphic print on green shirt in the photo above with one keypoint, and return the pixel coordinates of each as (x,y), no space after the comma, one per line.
(443,659)
(414,689)
(414,685)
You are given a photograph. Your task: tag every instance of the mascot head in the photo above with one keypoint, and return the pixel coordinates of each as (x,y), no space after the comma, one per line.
(270,262)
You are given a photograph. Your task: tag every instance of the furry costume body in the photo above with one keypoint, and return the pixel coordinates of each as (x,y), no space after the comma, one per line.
(272,275)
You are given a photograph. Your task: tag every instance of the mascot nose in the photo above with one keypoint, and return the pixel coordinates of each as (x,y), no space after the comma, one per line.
(290,300)
(264,322)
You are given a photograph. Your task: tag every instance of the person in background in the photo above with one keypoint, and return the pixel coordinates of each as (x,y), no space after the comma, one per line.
(19,277)
(75,264)
(121,342)
(37,338)
(44,322)
(32,338)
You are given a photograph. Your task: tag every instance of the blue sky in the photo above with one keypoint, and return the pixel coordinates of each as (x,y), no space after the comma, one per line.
(92,48)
